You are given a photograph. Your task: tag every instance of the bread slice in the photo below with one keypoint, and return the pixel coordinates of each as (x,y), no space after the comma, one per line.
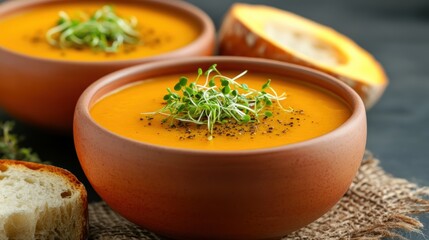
(41,202)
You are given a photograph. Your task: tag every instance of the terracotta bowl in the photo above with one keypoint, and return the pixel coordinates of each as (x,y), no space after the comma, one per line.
(43,92)
(196,194)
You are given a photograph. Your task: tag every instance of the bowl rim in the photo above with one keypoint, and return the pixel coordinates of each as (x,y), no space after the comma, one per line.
(201,18)
(354,101)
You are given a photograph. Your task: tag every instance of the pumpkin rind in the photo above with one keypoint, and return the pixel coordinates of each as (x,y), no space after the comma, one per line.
(239,37)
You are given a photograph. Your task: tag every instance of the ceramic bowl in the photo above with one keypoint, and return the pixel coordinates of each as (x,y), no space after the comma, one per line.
(196,194)
(43,92)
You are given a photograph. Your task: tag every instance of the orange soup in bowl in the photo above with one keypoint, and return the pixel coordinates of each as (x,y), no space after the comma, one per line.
(303,112)
(157,30)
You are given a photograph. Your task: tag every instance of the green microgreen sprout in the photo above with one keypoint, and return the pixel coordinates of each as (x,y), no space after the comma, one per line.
(9,145)
(104,31)
(210,104)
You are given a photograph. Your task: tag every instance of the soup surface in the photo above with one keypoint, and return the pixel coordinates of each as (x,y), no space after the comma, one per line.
(161,31)
(316,112)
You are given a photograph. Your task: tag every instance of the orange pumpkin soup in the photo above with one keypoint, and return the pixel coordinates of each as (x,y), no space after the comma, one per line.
(315,112)
(160,31)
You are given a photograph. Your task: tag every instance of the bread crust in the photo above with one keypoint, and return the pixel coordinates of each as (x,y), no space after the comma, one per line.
(60,172)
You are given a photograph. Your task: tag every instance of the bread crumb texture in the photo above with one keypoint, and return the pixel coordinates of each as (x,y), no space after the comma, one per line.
(38,202)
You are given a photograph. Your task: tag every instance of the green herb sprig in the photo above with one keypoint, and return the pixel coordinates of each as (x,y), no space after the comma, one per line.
(104,31)
(9,145)
(210,104)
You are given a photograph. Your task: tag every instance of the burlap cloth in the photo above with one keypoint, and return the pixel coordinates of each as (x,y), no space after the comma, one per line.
(377,205)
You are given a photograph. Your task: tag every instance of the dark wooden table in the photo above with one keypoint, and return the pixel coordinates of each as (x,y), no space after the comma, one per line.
(395,32)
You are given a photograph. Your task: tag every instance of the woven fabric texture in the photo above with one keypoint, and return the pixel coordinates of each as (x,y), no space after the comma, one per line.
(377,205)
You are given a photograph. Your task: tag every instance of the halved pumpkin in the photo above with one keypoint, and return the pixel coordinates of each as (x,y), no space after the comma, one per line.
(267,32)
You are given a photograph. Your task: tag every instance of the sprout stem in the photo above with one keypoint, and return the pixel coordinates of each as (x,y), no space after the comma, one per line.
(104,31)
(211,104)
